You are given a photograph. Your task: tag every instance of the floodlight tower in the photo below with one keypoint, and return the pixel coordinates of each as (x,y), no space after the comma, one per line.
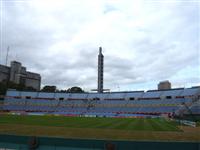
(100,71)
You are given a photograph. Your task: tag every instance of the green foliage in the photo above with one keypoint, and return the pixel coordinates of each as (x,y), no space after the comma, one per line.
(4,86)
(198,123)
(191,117)
(75,89)
(49,88)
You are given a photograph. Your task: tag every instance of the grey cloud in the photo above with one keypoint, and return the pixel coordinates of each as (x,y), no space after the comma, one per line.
(46,42)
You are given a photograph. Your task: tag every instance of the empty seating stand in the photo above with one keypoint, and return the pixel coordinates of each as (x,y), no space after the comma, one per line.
(113,104)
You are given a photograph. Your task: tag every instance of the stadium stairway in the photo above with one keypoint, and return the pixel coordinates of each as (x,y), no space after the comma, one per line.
(185,108)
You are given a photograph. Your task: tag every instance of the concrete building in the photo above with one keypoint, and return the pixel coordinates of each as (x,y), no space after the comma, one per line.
(17,73)
(100,71)
(164,85)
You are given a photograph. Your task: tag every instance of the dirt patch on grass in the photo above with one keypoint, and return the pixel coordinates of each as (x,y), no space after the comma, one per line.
(191,131)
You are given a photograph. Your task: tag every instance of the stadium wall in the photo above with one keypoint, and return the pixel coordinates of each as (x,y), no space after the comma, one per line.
(43,143)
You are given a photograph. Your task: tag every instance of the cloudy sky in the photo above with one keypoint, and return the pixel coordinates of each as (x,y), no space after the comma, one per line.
(143,41)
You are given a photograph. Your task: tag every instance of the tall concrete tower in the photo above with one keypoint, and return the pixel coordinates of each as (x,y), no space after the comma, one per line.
(100,71)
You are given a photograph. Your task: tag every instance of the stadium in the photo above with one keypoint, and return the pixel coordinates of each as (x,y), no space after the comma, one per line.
(57,94)
(165,118)
(174,102)
(156,115)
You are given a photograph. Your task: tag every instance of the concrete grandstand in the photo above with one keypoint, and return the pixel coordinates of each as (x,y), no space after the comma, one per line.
(112,104)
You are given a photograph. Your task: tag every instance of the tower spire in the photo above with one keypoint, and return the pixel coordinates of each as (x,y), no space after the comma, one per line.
(100,50)
(100,71)
(7,55)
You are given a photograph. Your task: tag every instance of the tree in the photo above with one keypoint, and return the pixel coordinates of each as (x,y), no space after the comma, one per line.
(3,88)
(49,88)
(5,85)
(30,88)
(75,89)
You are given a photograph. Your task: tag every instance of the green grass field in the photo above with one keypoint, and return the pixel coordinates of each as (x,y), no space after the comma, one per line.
(97,128)
(102,123)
